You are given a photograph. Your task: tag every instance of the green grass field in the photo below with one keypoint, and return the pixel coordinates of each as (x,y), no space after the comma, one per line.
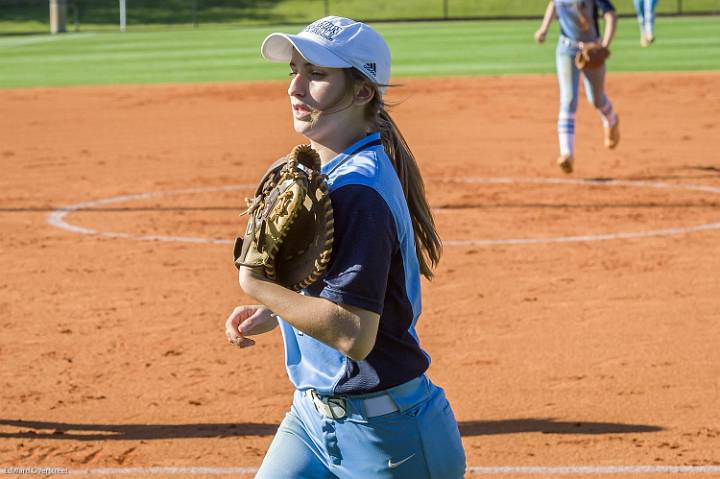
(419,49)
(103,15)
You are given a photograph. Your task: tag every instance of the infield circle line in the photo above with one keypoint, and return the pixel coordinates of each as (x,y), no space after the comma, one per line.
(57,218)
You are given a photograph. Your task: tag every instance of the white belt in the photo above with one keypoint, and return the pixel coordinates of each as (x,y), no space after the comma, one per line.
(573,44)
(569,43)
(335,407)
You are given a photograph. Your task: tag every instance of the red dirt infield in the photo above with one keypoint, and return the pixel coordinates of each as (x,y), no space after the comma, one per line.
(601,352)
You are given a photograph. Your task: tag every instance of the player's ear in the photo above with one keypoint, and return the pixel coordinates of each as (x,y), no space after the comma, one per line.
(364,93)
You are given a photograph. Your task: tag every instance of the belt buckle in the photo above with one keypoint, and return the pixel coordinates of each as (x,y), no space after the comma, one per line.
(568,42)
(332,407)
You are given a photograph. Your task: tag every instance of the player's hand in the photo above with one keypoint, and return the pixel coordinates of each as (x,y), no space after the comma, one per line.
(540,35)
(247,321)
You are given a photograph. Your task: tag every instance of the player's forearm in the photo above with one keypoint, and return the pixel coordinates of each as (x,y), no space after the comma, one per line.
(610,28)
(322,319)
(549,16)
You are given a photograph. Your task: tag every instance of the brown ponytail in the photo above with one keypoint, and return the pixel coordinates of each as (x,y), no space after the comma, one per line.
(428,246)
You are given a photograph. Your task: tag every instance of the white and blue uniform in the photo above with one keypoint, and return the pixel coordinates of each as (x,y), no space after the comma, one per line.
(645,10)
(380,417)
(578,21)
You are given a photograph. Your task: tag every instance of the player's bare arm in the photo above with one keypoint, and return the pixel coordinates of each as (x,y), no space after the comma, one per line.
(348,329)
(610,28)
(541,33)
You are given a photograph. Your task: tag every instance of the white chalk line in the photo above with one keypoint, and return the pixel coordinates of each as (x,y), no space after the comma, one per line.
(474,470)
(57,218)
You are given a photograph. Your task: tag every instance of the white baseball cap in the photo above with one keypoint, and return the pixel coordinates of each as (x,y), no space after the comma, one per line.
(335,42)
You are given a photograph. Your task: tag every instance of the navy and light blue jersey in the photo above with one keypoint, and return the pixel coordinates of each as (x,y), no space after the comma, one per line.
(374,267)
(578,20)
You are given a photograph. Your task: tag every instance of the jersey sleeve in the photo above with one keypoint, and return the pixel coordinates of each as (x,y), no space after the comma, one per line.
(364,243)
(605,6)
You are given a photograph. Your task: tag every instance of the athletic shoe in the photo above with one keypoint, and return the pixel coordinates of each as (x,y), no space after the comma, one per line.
(646,39)
(565,162)
(612,134)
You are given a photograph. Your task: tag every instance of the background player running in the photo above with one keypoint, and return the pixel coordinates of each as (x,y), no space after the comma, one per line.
(578,21)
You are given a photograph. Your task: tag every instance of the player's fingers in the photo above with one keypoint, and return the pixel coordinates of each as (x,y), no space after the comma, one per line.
(246,326)
(238,315)
(236,338)
(254,320)
(231,334)
(241,342)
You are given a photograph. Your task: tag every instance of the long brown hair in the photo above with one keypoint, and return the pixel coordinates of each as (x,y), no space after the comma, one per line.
(428,246)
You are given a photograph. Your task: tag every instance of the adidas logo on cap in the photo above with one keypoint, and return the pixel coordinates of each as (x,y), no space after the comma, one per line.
(371,68)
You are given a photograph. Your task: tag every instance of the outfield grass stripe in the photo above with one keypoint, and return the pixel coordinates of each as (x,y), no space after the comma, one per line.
(127,55)
(419,49)
(466,70)
(85,45)
(22,41)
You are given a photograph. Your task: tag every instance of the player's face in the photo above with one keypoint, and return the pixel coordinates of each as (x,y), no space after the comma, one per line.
(314,90)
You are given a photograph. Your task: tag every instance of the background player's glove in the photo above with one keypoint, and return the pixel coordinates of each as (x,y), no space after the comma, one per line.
(289,233)
(591,55)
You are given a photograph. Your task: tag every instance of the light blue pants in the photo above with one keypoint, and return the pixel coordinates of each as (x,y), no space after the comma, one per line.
(569,82)
(420,441)
(645,10)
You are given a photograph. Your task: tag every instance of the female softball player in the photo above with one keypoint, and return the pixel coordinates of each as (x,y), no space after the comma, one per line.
(646,18)
(578,21)
(363,405)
